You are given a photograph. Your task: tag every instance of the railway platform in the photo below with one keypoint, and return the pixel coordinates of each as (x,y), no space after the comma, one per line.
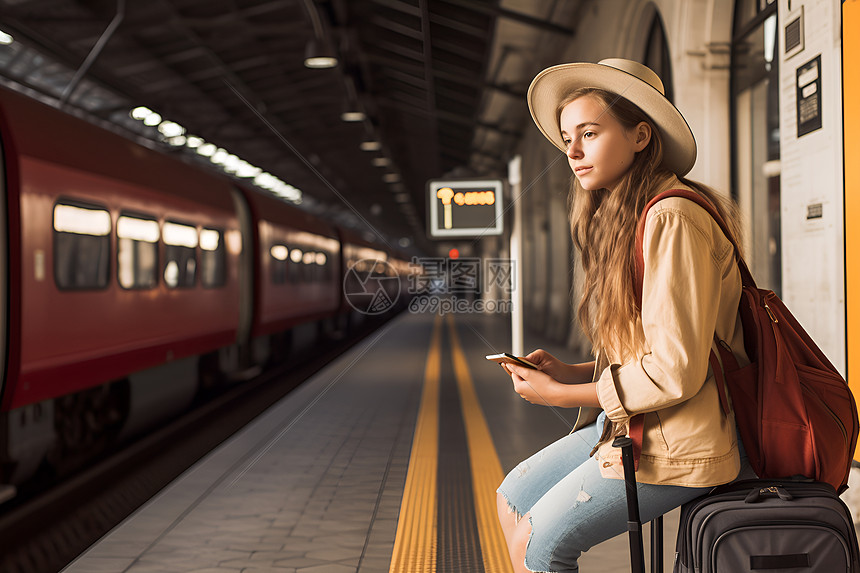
(386,460)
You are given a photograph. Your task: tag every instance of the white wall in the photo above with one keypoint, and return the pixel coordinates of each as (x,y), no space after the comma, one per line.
(813,249)
(699,34)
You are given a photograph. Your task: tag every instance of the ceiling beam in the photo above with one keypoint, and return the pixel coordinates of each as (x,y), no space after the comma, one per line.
(496,128)
(406,78)
(511,15)
(458,26)
(393,47)
(431,84)
(400,6)
(396,27)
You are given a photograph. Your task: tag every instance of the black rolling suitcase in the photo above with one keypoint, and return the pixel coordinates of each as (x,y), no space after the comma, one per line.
(767,525)
(752,526)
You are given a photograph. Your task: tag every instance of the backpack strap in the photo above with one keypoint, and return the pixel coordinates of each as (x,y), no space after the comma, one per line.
(746,276)
(637,422)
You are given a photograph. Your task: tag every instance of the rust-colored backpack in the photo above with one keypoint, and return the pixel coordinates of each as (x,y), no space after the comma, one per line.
(795,412)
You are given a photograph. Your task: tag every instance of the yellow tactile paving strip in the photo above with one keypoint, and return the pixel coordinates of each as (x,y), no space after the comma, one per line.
(486,468)
(416,539)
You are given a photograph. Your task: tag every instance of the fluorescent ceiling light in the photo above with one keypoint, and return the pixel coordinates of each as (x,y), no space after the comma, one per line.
(370,145)
(140,113)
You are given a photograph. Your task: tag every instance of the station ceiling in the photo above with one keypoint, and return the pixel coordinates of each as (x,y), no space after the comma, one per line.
(442,84)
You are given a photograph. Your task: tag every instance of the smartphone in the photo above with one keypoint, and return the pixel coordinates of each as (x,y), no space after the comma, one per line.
(511,359)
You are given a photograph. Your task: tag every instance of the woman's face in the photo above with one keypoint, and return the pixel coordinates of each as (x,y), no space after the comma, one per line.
(599,149)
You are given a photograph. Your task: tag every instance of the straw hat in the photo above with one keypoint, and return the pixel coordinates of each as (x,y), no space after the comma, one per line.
(629,79)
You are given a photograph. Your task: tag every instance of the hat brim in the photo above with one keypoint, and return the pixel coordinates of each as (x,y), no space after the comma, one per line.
(553,84)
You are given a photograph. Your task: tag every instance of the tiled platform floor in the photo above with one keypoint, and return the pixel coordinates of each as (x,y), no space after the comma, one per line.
(314,484)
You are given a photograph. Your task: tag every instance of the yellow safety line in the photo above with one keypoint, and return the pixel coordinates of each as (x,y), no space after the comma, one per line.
(415,540)
(851,125)
(486,467)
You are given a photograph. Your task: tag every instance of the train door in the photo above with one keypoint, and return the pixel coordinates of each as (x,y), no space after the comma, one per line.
(246,268)
(4,274)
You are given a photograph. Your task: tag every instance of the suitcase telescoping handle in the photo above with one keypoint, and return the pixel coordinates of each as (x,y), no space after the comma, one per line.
(634,522)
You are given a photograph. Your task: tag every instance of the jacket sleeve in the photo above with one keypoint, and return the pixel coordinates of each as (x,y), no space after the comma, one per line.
(680,301)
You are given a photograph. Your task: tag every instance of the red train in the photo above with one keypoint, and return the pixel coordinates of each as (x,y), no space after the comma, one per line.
(132,279)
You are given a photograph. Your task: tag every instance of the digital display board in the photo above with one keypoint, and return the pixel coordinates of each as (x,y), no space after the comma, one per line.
(464,208)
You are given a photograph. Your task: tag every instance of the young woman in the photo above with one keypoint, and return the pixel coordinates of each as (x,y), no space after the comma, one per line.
(625,143)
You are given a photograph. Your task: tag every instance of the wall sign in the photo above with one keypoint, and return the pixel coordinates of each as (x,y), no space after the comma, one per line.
(809,96)
(464,208)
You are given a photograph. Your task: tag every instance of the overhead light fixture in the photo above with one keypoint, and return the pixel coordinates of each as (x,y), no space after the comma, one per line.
(370,145)
(352,109)
(353,116)
(380,161)
(319,54)
(5,39)
(351,112)
(391,177)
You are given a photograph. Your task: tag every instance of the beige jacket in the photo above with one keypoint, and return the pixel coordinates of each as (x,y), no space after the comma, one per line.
(691,288)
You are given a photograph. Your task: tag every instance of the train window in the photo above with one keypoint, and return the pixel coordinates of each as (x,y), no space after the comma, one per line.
(180,255)
(213,258)
(309,266)
(321,259)
(278,264)
(81,246)
(295,266)
(137,252)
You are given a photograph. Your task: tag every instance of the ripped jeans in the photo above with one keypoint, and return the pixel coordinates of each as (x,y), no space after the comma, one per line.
(573,507)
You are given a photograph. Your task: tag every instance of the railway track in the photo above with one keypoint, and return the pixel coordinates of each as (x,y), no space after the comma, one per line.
(45,532)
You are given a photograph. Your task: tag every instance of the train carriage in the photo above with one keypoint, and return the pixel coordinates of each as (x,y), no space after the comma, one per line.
(297,266)
(133,280)
(116,256)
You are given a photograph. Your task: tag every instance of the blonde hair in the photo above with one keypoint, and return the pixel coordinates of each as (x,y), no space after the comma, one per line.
(603,227)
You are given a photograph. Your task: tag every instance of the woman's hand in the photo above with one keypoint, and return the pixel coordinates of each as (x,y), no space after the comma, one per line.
(541,387)
(535,386)
(561,371)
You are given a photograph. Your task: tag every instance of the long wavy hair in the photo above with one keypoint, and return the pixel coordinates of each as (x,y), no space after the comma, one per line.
(603,227)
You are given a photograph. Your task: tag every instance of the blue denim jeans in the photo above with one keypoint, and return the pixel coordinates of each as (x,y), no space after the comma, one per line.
(572,507)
